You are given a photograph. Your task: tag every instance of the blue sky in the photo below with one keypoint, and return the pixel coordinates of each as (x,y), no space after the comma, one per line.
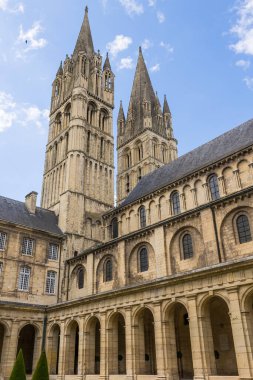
(198,52)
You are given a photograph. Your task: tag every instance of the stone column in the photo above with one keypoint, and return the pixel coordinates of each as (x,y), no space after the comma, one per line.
(129,345)
(12,349)
(244,363)
(207,194)
(81,347)
(159,342)
(199,373)
(62,349)
(103,348)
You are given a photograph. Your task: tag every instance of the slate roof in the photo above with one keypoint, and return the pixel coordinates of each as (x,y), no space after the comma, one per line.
(222,146)
(16,212)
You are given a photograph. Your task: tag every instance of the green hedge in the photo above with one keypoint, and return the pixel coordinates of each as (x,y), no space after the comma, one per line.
(41,371)
(18,372)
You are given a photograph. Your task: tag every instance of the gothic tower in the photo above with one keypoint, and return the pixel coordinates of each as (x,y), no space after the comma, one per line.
(79,165)
(145,137)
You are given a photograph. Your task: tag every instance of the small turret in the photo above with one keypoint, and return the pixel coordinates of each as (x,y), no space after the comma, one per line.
(121,123)
(107,65)
(108,81)
(60,70)
(167,118)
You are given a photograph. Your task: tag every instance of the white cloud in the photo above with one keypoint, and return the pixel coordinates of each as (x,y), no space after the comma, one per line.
(146,44)
(30,39)
(7,7)
(243,28)
(151,3)
(167,47)
(160,17)
(22,114)
(155,68)
(132,7)
(249,82)
(243,64)
(126,63)
(120,43)
(7,111)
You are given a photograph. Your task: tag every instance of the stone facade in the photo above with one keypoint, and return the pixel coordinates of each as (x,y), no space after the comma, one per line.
(159,287)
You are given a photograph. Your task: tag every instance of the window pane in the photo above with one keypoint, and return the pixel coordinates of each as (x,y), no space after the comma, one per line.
(80,278)
(143,260)
(27,246)
(243,228)
(53,252)
(142,217)
(114,228)
(187,246)
(2,241)
(214,187)
(24,278)
(175,202)
(50,282)
(108,270)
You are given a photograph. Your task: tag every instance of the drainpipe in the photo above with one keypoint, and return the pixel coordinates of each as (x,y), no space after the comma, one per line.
(43,345)
(216,235)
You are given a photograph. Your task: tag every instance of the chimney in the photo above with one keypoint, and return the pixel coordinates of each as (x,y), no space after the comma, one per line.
(30,202)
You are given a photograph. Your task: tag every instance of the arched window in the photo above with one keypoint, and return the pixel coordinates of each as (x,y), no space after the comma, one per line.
(114,227)
(143,259)
(139,174)
(214,187)
(142,213)
(80,278)
(175,203)
(127,183)
(187,246)
(243,229)
(24,278)
(50,282)
(108,270)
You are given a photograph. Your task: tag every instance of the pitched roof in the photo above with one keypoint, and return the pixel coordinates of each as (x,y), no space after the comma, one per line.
(16,212)
(213,151)
(84,41)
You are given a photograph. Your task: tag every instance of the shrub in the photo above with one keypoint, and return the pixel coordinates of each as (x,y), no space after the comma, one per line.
(18,372)
(41,371)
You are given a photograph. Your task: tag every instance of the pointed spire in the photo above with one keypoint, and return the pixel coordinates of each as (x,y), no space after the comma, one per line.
(121,115)
(84,41)
(166,108)
(107,65)
(60,70)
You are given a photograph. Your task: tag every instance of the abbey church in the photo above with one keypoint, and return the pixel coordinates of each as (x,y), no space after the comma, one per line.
(159,286)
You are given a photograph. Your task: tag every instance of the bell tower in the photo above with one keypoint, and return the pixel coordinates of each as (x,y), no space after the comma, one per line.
(145,137)
(78,180)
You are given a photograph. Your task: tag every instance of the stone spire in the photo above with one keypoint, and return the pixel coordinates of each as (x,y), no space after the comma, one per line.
(107,65)
(60,70)
(142,91)
(84,41)
(121,115)
(166,108)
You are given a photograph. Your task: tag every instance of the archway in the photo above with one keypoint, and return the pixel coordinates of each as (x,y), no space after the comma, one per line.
(218,338)
(117,345)
(178,341)
(72,349)
(93,347)
(54,347)
(145,343)
(26,342)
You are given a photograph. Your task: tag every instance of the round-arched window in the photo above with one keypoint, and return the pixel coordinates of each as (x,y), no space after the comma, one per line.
(214,187)
(243,229)
(108,270)
(187,246)
(175,203)
(142,214)
(80,278)
(143,259)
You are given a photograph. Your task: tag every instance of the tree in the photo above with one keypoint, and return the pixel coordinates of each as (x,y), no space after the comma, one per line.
(18,372)
(41,371)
